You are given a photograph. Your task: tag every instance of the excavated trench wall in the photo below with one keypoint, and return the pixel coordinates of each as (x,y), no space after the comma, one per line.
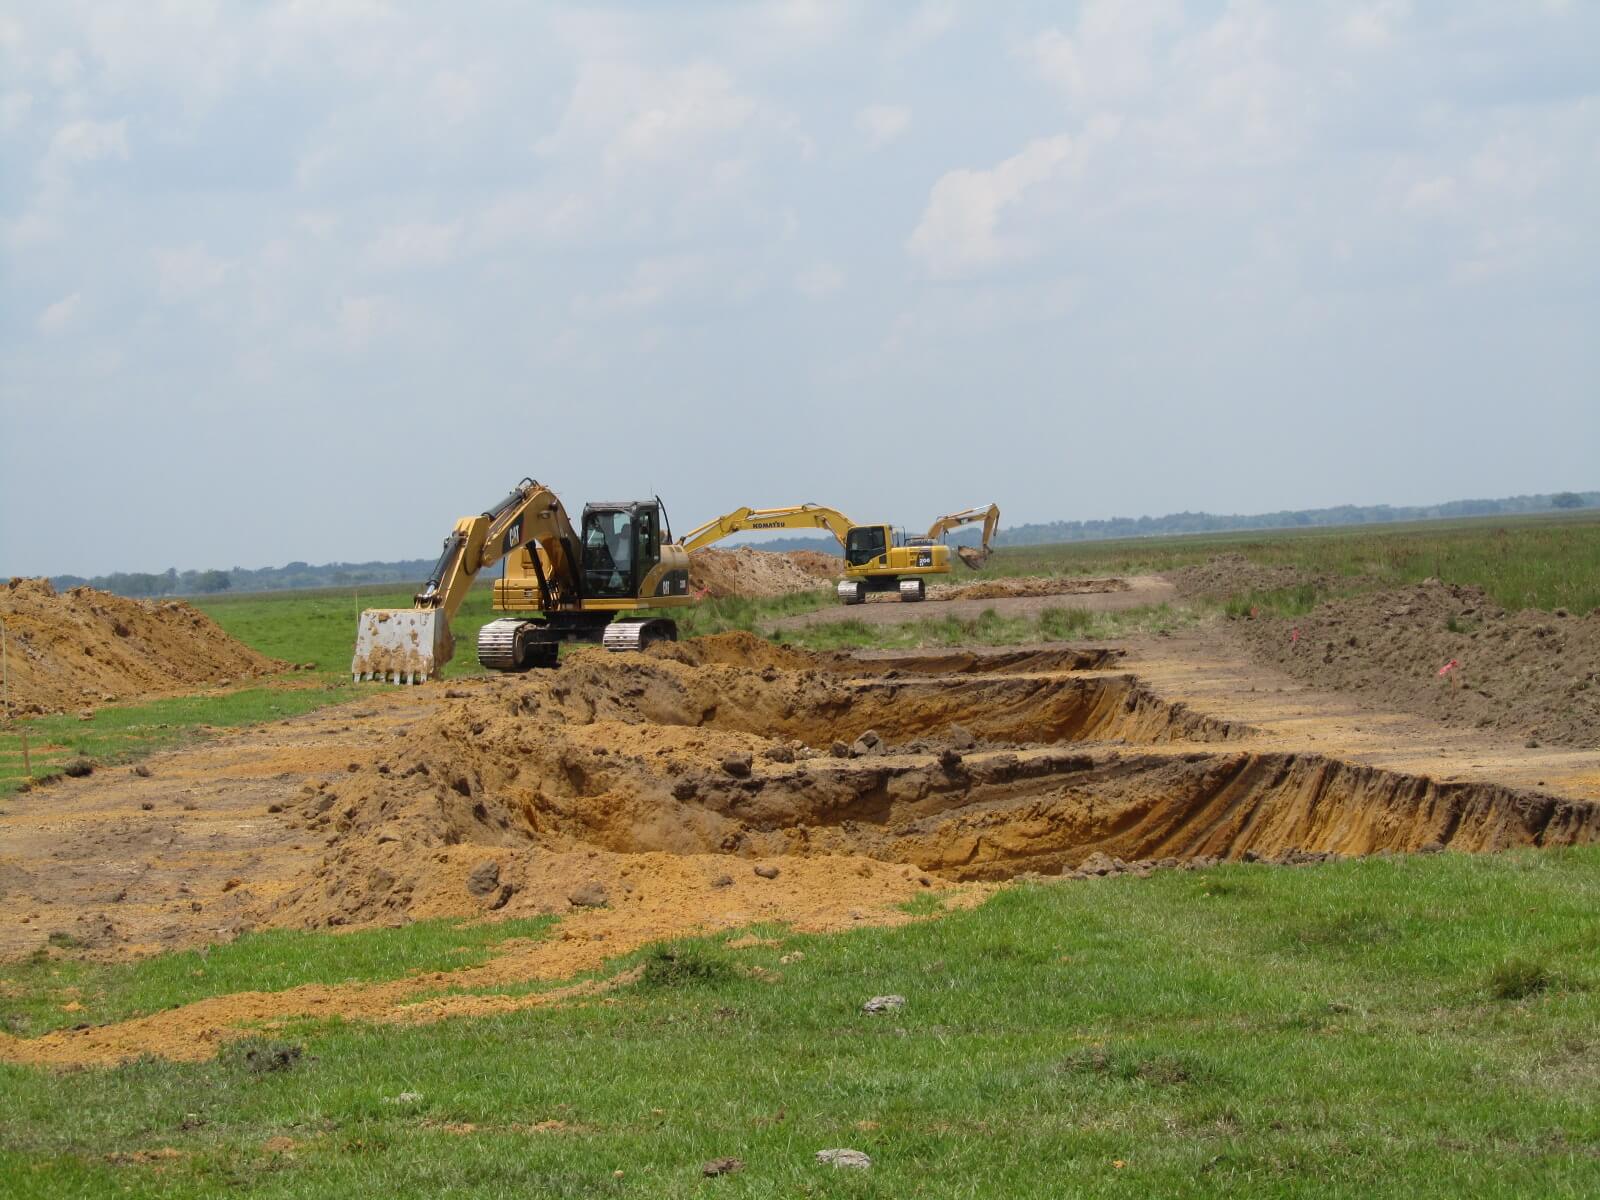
(976,774)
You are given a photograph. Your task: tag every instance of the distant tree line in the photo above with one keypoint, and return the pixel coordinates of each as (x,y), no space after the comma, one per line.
(299,575)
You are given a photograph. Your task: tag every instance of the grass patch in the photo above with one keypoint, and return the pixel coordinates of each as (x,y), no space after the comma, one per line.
(991,628)
(1135,1038)
(1545,561)
(1517,979)
(34,994)
(122,733)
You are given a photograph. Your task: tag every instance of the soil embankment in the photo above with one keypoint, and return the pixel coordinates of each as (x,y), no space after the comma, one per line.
(86,647)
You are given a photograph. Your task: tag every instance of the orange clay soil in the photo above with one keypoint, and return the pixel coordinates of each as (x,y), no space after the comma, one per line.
(87,647)
(709,786)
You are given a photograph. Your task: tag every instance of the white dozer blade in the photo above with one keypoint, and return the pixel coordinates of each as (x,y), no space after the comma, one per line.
(401,645)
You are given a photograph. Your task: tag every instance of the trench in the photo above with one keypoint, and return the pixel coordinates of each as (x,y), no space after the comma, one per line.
(974,774)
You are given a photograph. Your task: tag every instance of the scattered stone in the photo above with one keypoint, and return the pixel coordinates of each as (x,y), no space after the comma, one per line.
(883,1004)
(589,895)
(485,877)
(868,743)
(949,760)
(78,767)
(722,881)
(767,872)
(780,753)
(1097,864)
(844,1157)
(839,750)
(738,765)
(274,808)
(1433,847)
(404,1098)
(148,806)
(960,737)
(142,771)
(792,957)
(721,1166)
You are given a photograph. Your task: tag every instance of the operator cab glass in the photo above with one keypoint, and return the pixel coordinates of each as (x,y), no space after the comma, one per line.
(608,553)
(863,544)
(621,543)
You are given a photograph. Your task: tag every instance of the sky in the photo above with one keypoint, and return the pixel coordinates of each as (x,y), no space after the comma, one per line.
(311,280)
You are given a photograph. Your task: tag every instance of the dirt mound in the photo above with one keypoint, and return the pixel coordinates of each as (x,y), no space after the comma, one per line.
(746,572)
(1450,653)
(736,649)
(1000,589)
(88,647)
(1232,574)
(742,649)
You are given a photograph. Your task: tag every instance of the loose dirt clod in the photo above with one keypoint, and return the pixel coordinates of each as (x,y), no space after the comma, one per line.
(744,571)
(77,648)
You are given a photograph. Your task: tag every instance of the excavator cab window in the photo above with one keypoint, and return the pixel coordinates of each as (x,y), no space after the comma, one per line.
(863,544)
(608,553)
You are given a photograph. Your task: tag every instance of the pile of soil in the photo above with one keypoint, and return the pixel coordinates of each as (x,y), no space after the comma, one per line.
(1227,575)
(1534,674)
(743,571)
(1000,589)
(89,647)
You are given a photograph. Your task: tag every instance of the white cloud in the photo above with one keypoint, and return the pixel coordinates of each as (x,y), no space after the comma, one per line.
(652,283)
(362,320)
(59,315)
(183,272)
(414,244)
(1371,26)
(961,230)
(882,123)
(64,69)
(819,281)
(90,141)
(632,116)
(1109,58)
(14,109)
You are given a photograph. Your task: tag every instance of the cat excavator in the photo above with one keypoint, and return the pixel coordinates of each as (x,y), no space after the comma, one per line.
(876,559)
(560,584)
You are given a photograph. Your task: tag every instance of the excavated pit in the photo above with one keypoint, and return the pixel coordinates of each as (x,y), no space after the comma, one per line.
(967,773)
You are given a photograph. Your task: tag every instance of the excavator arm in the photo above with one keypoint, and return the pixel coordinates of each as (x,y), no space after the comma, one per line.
(410,645)
(796,516)
(990,517)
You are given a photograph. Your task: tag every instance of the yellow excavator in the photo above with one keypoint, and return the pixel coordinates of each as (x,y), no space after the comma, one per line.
(876,559)
(973,556)
(560,584)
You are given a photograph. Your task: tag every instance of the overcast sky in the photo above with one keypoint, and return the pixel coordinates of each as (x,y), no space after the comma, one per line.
(310,280)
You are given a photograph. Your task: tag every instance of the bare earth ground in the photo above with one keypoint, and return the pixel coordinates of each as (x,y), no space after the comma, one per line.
(668,780)
(1117,595)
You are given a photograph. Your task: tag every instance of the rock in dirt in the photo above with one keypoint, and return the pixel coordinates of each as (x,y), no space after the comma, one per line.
(485,877)
(780,753)
(844,1157)
(883,1004)
(737,765)
(767,872)
(839,750)
(960,737)
(721,1166)
(77,768)
(589,895)
(722,881)
(868,743)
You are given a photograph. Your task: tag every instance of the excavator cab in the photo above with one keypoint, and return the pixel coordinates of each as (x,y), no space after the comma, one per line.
(621,544)
(866,543)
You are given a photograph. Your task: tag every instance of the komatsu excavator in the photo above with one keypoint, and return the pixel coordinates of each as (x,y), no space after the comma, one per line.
(876,559)
(973,556)
(560,585)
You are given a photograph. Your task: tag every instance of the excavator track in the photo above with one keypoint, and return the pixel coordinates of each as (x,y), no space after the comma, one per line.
(497,644)
(911,590)
(852,591)
(636,635)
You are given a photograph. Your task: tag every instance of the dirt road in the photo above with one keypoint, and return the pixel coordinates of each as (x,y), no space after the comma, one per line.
(1141,590)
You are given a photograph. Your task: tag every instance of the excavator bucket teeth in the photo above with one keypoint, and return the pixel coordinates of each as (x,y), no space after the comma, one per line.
(972,556)
(401,645)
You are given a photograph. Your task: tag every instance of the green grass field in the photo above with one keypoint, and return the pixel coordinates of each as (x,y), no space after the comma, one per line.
(1405,1027)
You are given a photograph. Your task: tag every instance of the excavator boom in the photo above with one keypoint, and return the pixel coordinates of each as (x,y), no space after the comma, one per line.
(795,516)
(974,557)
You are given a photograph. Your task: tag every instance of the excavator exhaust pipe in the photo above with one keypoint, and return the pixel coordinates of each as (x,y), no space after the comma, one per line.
(401,645)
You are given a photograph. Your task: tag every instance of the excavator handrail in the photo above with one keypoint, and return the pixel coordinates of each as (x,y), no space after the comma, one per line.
(794,516)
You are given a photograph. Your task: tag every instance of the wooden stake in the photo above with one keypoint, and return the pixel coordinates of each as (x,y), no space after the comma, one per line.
(27,766)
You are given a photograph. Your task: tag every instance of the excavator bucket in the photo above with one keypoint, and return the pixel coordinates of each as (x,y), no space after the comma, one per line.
(973,556)
(401,645)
